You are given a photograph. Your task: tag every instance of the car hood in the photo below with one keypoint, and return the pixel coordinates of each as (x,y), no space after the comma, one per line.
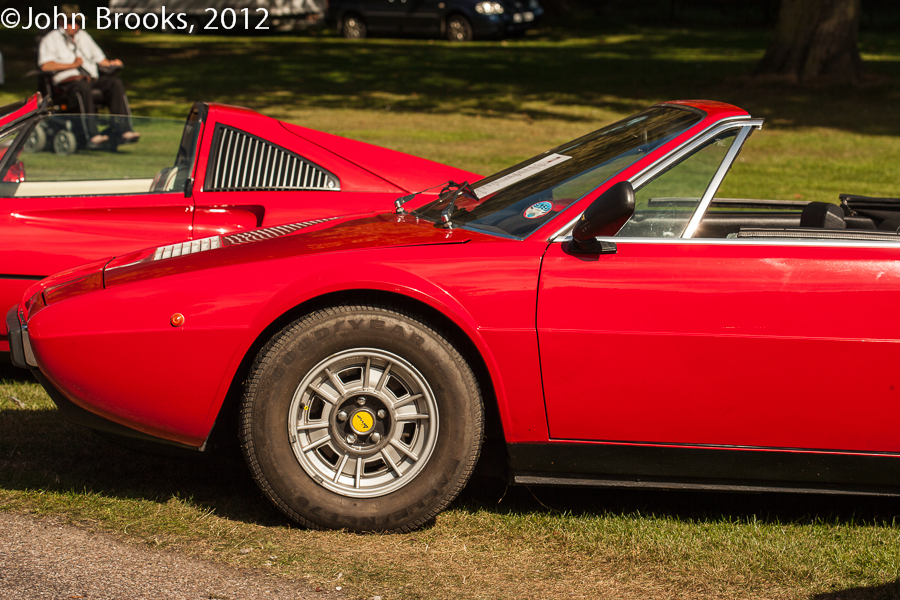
(343,234)
(408,172)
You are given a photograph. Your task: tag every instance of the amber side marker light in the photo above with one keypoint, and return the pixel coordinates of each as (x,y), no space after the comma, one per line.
(177,320)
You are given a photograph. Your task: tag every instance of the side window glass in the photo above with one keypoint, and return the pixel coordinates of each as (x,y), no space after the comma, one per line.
(58,161)
(240,162)
(664,206)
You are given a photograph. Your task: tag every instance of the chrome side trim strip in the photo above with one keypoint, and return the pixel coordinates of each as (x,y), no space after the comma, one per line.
(818,243)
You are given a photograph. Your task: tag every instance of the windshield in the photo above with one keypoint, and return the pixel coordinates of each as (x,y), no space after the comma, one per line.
(56,159)
(518,200)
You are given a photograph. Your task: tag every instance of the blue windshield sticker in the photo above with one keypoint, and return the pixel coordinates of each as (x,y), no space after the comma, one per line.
(538,210)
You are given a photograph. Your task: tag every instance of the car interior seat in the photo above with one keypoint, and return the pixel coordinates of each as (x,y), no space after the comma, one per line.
(165,180)
(822,215)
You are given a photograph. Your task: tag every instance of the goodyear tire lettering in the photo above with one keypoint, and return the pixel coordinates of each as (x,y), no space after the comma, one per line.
(376,324)
(355,324)
(399,515)
(321,334)
(398,331)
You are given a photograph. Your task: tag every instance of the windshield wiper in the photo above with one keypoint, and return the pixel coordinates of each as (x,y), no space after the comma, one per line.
(457,189)
(399,202)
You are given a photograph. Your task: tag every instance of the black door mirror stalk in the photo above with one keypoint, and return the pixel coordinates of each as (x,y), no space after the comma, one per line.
(604,217)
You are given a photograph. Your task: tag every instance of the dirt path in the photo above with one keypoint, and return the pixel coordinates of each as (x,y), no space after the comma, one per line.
(44,560)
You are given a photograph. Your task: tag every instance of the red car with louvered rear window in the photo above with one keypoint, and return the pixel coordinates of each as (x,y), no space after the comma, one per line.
(224,169)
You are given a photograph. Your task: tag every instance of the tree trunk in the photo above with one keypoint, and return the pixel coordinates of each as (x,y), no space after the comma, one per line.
(815,40)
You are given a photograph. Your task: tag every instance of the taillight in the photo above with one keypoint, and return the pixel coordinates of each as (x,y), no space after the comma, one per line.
(34,304)
(16,173)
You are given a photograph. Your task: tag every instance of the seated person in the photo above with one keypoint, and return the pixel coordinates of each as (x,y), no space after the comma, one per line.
(76,56)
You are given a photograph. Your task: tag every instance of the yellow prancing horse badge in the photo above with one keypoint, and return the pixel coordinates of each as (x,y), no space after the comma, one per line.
(363,421)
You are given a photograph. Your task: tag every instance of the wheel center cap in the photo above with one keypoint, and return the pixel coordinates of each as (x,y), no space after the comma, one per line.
(362,421)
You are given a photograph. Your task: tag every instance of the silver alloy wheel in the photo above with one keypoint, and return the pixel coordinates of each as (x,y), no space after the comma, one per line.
(363,423)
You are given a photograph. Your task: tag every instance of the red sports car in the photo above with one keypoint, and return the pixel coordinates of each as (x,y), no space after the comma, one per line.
(225,169)
(596,309)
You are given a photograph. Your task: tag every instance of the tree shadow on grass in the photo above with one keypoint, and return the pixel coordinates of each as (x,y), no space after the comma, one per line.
(622,71)
(683,505)
(40,450)
(887,591)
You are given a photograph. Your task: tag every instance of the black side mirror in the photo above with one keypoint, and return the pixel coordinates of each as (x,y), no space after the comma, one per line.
(604,217)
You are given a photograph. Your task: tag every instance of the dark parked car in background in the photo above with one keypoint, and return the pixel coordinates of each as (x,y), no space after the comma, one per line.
(457,20)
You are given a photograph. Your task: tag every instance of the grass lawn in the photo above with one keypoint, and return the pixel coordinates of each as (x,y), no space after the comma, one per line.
(484,106)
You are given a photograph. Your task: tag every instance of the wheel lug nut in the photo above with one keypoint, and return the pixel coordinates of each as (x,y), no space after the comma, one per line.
(351,439)
(381,413)
(361,401)
(375,437)
(342,416)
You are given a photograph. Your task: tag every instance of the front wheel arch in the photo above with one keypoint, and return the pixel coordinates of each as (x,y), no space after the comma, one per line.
(494,460)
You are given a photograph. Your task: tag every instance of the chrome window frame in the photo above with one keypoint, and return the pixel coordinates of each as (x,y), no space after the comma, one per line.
(746,124)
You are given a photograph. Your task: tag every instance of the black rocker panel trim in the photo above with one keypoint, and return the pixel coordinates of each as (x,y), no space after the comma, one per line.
(704,467)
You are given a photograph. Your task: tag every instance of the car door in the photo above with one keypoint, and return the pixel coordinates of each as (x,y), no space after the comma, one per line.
(424,17)
(384,16)
(70,209)
(719,343)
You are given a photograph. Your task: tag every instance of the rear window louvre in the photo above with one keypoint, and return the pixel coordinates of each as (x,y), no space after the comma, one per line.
(241,162)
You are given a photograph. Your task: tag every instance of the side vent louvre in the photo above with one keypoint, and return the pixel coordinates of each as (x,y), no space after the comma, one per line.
(257,235)
(242,162)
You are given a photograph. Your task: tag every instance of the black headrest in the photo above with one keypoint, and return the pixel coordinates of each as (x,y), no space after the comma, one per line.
(822,215)
(890,225)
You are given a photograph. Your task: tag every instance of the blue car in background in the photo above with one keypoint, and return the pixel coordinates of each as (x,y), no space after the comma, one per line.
(456,20)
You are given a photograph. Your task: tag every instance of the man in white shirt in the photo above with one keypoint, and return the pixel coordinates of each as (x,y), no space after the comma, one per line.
(77,59)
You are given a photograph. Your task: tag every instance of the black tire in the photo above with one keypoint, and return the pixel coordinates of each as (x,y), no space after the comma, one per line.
(459,29)
(353,27)
(398,404)
(64,143)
